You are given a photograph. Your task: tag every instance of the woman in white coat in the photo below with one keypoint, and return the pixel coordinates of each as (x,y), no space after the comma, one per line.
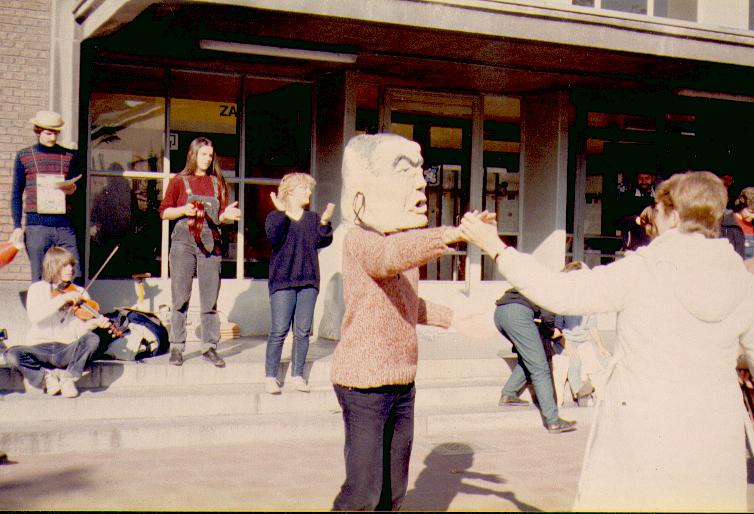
(668,432)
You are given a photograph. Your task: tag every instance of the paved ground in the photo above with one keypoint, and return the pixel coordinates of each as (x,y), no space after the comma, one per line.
(520,470)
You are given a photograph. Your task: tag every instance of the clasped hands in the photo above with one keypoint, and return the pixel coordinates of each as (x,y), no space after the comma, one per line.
(478,228)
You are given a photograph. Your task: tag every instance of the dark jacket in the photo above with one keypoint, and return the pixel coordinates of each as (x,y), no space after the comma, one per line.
(730,229)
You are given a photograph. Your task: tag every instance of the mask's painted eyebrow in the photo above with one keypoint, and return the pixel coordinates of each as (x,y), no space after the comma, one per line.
(418,162)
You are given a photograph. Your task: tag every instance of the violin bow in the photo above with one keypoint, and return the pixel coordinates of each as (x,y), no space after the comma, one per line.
(117,247)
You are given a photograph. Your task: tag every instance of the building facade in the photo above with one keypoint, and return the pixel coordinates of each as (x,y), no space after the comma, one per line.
(542,111)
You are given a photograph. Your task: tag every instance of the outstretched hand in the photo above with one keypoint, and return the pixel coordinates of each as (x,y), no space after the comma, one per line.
(327,215)
(479,228)
(279,205)
(231,213)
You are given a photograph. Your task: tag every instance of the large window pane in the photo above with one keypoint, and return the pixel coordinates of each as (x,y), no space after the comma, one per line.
(278,141)
(125,212)
(204,104)
(502,134)
(632,6)
(279,128)
(257,249)
(676,9)
(126,132)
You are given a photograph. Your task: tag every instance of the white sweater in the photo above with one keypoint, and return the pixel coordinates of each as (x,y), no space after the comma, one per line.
(48,323)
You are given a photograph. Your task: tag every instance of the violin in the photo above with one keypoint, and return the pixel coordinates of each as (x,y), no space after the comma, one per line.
(86,308)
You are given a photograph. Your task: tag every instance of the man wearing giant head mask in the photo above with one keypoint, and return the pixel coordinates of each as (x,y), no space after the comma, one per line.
(374,364)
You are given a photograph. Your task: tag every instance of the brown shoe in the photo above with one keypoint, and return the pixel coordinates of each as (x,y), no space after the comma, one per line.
(176,357)
(560,426)
(211,356)
(512,401)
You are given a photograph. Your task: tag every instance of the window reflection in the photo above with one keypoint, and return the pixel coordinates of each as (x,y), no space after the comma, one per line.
(632,6)
(126,132)
(278,141)
(125,212)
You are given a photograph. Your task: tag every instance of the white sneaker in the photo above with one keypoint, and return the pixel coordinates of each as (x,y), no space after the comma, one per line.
(52,382)
(271,385)
(68,386)
(300,384)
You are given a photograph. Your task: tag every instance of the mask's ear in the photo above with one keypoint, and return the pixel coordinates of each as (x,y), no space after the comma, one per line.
(359,205)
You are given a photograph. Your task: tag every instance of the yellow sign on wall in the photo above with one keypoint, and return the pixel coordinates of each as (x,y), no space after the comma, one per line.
(202,116)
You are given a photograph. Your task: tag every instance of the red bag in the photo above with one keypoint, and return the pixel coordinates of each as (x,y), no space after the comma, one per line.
(8,251)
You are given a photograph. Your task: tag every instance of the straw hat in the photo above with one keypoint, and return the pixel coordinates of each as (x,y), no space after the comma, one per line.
(47,120)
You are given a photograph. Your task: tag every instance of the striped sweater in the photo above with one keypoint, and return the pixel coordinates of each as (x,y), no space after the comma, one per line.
(33,161)
(378,344)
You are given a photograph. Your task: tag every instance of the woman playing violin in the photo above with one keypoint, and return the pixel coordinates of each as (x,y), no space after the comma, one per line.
(59,345)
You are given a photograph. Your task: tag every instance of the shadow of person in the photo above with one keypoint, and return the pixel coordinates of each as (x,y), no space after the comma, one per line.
(445,475)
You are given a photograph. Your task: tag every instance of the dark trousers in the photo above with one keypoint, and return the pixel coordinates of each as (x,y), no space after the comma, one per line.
(186,260)
(379,430)
(39,239)
(33,360)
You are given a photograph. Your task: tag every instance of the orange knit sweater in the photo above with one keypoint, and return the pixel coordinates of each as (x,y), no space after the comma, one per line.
(378,344)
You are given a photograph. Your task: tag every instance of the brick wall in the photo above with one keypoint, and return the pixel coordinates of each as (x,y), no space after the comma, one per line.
(24,83)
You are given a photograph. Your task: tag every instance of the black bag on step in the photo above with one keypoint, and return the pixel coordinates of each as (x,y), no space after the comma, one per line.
(144,336)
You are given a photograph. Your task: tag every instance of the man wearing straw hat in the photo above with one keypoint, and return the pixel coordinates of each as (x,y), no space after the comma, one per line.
(46,172)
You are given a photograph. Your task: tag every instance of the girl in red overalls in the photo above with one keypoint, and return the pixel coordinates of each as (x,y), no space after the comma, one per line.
(197,197)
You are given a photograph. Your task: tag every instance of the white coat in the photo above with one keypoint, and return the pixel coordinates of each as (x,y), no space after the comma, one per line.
(668,432)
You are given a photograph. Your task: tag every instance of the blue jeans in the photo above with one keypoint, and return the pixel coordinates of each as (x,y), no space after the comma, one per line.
(33,360)
(290,306)
(379,430)
(516,322)
(39,239)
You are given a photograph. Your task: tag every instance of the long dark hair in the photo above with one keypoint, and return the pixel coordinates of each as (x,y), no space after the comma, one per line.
(214,169)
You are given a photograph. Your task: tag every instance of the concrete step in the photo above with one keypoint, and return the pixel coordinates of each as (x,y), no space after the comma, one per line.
(28,438)
(156,372)
(219,400)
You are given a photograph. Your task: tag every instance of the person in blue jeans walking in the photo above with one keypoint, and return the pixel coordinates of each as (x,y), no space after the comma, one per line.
(295,234)
(515,319)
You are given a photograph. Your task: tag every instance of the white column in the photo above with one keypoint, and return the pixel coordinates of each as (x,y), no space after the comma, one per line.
(64,69)
(544,173)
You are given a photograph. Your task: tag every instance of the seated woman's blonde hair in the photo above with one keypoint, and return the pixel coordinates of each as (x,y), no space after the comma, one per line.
(290,181)
(699,198)
(53,261)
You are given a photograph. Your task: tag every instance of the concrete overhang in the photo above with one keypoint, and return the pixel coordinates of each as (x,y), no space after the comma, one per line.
(575,26)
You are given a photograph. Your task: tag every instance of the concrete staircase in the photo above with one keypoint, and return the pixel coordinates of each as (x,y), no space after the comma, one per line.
(151,404)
